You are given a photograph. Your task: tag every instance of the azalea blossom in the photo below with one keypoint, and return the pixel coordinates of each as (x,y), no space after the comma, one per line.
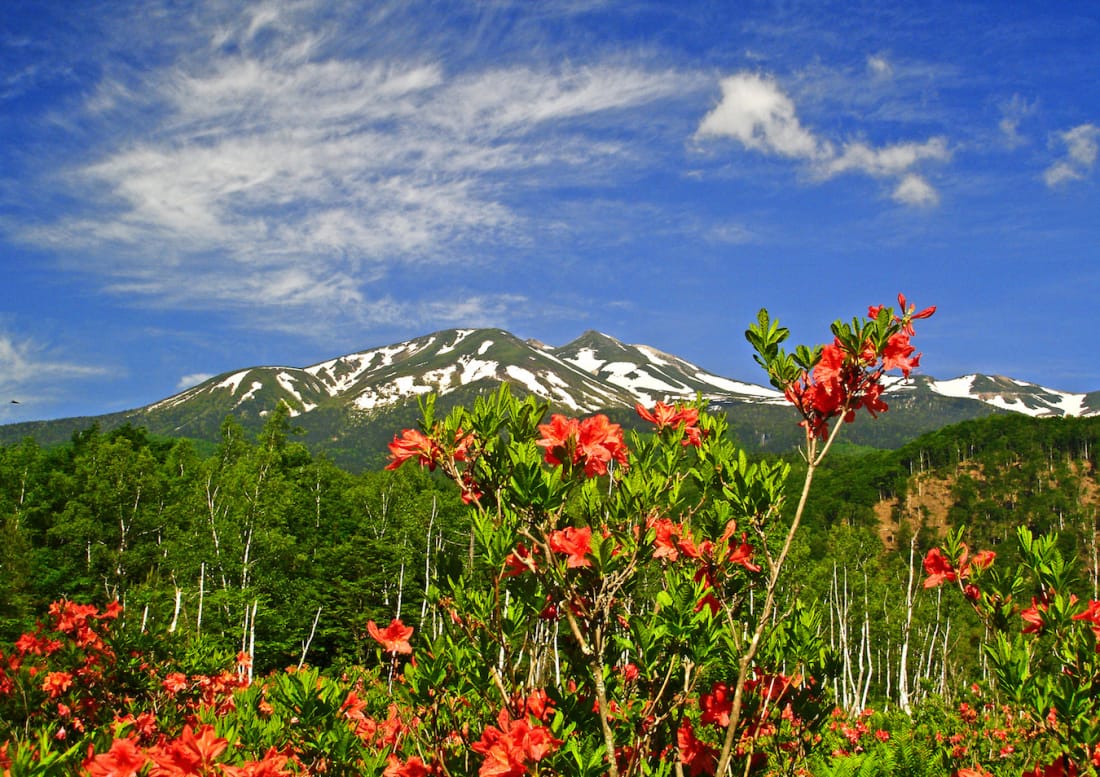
(847,377)
(674,417)
(699,757)
(897,354)
(511,744)
(394,638)
(592,443)
(124,759)
(742,555)
(413,443)
(575,543)
(941,570)
(716,705)
(414,767)
(189,753)
(519,561)
(1092,615)
(56,683)
(665,533)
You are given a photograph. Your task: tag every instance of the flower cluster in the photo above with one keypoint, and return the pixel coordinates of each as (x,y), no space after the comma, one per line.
(845,375)
(941,570)
(592,443)
(413,443)
(511,745)
(191,753)
(677,417)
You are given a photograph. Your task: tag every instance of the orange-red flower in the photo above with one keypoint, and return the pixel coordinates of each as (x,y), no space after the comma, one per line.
(189,754)
(56,683)
(593,443)
(510,745)
(699,757)
(665,534)
(174,682)
(394,638)
(939,569)
(1092,615)
(273,764)
(717,705)
(575,543)
(742,555)
(124,759)
(413,443)
(599,443)
(519,561)
(414,767)
(897,354)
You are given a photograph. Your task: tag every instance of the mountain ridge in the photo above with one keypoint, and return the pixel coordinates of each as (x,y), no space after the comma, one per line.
(338,397)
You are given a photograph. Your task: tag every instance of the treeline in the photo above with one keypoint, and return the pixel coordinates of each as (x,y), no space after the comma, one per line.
(257,544)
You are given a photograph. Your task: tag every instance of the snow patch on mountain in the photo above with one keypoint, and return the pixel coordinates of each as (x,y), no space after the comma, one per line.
(741,389)
(587,360)
(391,393)
(256,386)
(233,382)
(527,378)
(655,356)
(460,335)
(476,369)
(956,387)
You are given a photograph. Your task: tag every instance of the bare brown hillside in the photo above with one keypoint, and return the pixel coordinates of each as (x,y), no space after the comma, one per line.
(930,497)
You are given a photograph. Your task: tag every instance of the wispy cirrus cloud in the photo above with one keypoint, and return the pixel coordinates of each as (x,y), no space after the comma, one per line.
(274,168)
(756,112)
(1014,111)
(31,373)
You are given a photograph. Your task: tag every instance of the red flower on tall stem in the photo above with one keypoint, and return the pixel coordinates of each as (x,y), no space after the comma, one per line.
(939,569)
(394,638)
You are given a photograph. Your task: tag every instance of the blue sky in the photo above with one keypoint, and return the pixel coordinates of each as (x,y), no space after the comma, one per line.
(190,188)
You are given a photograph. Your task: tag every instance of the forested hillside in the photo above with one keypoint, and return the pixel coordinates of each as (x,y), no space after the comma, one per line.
(254,541)
(257,543)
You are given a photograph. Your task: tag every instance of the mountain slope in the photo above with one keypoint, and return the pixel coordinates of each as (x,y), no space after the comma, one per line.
(349,406)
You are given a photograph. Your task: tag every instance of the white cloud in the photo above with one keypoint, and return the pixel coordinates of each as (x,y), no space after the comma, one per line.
(756,112)
(879,66)
(1060,172)
(914,190)
(886,161)
(194,379)
(1080,144)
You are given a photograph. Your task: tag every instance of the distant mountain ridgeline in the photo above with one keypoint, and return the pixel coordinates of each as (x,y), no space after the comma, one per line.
(350,406)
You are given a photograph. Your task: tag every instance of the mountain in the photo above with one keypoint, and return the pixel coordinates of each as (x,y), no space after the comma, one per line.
(351,405)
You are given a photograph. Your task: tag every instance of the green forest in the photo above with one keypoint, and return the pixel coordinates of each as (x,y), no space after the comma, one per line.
(258,545)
